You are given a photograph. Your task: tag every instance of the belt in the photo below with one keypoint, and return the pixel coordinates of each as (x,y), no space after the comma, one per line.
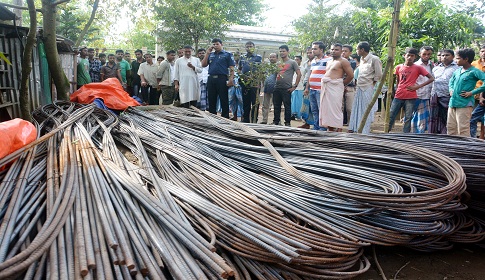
(218,76)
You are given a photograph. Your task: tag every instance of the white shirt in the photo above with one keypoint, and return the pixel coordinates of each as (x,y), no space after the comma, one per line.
(172,73)
(370,71)
(424,92)
(149,71)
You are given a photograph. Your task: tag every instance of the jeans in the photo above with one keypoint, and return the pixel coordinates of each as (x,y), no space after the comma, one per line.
(409,108)
(315,109)
(217,87)
(477,116)
(136,90)
(281,95)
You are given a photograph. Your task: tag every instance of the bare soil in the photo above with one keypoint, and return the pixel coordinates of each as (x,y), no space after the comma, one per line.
(463,262)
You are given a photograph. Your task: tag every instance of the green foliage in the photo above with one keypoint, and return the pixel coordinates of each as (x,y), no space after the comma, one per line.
(318,25)
(372,4)
(195,22)
(72,17)
(259,72)
(423,22)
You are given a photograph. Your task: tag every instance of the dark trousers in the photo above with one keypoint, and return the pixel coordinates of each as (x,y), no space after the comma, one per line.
(249,98)
(150,94)
(477,116)
(188,104)
(218,87)
(281,95)
(168,95)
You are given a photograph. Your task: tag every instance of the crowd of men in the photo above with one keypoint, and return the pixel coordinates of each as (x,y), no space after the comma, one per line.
(436,97)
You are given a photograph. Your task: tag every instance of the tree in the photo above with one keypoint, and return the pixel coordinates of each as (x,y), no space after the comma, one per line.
(61,82)
(196,21)
(74,19)
(27,63)
(423,22)
(88,24)
(320,24)
(143,34)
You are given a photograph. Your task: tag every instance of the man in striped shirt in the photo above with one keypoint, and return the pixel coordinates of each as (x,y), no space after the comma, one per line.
(315,75)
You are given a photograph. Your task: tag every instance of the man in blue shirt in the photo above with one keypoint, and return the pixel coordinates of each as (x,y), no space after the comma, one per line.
(248,88)
(220,64)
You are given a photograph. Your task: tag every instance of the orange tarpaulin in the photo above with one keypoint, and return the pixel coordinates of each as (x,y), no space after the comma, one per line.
(110,91)
(15,134)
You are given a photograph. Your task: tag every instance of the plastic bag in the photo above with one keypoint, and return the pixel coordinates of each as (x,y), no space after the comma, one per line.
(15,134)
(110,91)
(305,112)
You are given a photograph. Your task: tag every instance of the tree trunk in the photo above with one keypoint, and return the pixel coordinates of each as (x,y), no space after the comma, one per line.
(60,80)
(390,63)
(27,63)
(196,44)
(88,24)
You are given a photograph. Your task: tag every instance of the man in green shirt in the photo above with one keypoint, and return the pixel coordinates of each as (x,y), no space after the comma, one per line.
(124,66)
(462,88)
(83,68)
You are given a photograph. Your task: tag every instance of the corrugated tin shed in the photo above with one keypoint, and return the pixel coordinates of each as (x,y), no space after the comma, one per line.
(6,14)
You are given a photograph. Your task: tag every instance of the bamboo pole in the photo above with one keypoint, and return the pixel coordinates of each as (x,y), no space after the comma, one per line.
(390,62)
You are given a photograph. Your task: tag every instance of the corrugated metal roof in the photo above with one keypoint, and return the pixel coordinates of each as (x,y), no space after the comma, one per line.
(259,35)
(6,14)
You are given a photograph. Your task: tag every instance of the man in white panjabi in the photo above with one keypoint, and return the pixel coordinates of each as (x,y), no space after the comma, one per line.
(186,80)
(332,92)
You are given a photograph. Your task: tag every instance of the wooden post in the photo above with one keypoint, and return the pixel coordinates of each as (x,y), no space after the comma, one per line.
(388,69)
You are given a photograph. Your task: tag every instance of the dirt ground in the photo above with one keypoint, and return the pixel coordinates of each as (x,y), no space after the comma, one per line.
(463,262)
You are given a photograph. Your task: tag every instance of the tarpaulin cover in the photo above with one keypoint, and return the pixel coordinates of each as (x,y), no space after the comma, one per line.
(15,134)
(110,91)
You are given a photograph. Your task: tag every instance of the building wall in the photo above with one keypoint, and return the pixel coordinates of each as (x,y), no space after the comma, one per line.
(10,77)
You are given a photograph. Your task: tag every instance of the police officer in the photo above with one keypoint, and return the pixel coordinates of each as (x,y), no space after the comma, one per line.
(218,82)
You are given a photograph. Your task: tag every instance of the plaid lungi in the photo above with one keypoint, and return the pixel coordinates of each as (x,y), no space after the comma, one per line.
(421,116)
(202,104)
(235,100)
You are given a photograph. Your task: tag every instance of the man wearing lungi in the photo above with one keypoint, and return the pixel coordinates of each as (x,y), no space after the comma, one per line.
(332,92)
(370,72)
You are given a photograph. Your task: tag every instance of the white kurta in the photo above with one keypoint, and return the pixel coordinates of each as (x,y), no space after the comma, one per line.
(187,78)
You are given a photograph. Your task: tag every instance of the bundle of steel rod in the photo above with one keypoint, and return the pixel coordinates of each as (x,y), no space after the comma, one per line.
(67,215)
(208,198)
(397,192)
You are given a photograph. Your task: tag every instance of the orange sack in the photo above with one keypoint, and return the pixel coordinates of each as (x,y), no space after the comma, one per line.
(110,91)
(15,134)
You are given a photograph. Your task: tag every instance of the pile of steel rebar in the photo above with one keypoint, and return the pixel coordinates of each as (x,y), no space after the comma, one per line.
(202,197)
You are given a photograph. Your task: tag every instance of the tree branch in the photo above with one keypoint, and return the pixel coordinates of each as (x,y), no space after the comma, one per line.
(58,2)
(88,24)
(19,7)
